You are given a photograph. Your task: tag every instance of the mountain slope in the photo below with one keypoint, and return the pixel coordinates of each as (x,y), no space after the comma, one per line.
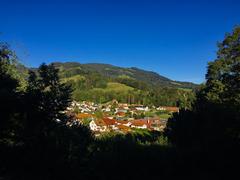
(109,71)
(103,82)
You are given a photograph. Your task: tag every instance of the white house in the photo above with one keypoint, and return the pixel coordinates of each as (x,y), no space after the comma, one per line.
(139,124)
(144,126)
(96,127)
(142,108)
(124,123)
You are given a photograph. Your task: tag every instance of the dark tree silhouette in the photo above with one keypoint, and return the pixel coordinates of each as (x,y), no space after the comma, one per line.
(9,101)
(215,118)
(35,142)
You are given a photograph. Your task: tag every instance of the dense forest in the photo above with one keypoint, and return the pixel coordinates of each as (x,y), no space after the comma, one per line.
(201,142)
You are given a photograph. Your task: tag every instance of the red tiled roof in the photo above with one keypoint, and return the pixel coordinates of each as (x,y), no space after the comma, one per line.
(122,122)
(109,122)
(138,122)
(123,128)
(83,115)
(147,122)
(120,113)
(100,122)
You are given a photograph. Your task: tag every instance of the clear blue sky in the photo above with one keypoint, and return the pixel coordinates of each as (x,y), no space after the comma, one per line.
(174,38)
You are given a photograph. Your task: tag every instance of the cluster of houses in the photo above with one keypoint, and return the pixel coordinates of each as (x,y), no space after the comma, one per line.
(107,124)
(117,117)
(83,106)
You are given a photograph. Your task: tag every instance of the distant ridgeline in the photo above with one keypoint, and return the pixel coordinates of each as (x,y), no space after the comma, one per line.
(103,82)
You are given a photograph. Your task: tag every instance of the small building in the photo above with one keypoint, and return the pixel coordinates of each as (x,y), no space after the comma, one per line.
(110,123)
(168,108)
(98,126)
(124,123)
(140,124)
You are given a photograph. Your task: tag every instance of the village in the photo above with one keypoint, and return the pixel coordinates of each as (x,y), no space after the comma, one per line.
(118,117)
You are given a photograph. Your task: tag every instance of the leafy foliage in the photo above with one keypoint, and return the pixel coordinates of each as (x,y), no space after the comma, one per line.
(34,137)
(8,94)
(214,119)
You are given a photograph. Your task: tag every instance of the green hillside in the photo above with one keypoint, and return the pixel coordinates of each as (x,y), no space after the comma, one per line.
(103,82)
(110,71)
(116,87)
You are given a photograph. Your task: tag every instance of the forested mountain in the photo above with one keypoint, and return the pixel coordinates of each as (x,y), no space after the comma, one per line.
(103,82)
(110,71)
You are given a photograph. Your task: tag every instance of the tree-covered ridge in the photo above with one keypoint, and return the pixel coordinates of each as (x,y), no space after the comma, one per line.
(110,71)
(103,82)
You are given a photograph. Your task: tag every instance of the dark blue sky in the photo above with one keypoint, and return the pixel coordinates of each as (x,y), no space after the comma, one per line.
(174,38)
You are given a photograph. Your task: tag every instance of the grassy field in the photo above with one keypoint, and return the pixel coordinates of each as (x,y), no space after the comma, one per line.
(73,78)
(114,86)
(164,116)
(186,89)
